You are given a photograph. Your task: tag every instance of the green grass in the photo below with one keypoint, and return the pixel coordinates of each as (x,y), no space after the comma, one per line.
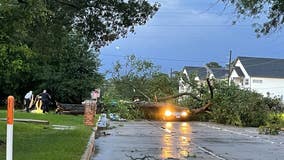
(282,120)
(36,141)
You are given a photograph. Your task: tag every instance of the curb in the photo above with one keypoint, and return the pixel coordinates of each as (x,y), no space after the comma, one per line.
(90,146)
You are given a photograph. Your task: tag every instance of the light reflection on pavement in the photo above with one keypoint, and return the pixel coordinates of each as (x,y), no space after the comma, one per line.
(186,140)
(161,140)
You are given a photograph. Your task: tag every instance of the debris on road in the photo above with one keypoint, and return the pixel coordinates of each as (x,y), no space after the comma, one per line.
(103,122)
(116,117)
(145,157)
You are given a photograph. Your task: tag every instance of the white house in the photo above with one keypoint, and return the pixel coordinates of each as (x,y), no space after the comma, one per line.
(263,75)
(201,74)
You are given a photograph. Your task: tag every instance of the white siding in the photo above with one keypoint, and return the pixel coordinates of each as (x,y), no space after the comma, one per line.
(274,86)
(239,64)
(243,83)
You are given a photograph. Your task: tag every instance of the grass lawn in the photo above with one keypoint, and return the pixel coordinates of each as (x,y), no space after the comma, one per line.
(36,141)
(282,120)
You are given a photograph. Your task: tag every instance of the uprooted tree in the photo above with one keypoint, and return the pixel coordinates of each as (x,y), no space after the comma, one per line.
(141,79)
(216,99)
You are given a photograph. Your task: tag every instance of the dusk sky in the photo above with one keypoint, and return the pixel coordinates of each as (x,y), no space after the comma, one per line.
(192,33)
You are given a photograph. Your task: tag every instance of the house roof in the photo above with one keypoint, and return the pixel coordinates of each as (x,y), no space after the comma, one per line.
(220,73)
(263,67)
(239,72)
(200,71)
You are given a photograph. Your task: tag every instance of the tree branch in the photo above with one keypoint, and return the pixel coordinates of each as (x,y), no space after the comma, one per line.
(210,87)
(201,109)
(179,95)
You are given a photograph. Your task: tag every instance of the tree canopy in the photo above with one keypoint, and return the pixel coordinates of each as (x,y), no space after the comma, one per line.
(136,78)
(213,65)
(54,44)
(273,10)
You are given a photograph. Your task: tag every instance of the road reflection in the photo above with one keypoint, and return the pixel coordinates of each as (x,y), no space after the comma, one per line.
(176,139)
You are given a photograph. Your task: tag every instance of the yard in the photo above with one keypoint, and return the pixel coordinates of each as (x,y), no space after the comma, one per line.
(38,141)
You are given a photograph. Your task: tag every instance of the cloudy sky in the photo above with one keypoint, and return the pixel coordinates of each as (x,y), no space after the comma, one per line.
(193,33)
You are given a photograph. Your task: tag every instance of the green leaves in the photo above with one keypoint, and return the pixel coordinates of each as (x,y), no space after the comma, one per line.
(136,78)
(50,44)
(272,9)
(234,106)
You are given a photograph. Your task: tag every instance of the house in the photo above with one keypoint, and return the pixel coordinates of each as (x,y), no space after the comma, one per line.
(263,75)
(219,73)
(201,74)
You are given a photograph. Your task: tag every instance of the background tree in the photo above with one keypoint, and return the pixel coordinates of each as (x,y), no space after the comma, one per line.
(213,65)
(136,78)
(273,10)
(161,85)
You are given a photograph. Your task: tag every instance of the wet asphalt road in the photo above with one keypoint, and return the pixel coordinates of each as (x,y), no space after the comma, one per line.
(186,140)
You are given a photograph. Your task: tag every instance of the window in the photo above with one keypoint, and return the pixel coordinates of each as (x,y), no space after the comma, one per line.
(257,81)
(246,81)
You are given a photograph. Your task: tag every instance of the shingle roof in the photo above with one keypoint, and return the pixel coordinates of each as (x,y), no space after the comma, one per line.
(200,71)
(263,67)
(220,73)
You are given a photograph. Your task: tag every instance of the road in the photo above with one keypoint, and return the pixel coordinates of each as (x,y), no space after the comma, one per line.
(186,140)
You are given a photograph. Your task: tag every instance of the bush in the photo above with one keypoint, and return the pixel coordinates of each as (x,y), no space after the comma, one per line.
(273,125)
(234,106)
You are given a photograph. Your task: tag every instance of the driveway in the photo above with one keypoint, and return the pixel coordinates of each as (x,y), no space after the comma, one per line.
(154,140)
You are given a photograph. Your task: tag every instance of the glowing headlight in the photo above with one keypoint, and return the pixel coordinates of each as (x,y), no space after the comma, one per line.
(184,114)
(168,113)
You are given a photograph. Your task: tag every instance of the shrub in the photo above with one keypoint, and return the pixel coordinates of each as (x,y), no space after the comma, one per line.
(273,125)
(234,106)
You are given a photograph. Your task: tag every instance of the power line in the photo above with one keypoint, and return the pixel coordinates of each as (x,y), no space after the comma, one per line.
(198,25)
(163,59)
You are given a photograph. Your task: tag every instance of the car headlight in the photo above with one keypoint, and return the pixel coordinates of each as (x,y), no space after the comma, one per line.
(183,113)
(168,113)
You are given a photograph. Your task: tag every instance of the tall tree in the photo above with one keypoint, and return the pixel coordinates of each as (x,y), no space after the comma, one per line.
(41,30)
(73,73)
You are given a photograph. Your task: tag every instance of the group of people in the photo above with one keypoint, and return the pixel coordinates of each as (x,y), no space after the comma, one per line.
(42,100)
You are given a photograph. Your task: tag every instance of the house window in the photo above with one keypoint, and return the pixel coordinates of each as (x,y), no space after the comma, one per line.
(246,81)
(257,81)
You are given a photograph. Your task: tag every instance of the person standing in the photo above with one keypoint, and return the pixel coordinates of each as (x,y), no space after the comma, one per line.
(45,98)
(28,100)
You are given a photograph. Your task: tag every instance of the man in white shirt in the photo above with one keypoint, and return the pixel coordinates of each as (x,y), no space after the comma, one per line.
(28,100)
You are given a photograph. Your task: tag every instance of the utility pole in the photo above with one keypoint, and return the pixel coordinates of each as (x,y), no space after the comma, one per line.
(230,60)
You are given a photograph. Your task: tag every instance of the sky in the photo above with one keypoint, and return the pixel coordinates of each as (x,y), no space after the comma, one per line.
(192,33)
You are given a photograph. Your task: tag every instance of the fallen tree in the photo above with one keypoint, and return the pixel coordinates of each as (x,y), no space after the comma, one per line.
(161,102)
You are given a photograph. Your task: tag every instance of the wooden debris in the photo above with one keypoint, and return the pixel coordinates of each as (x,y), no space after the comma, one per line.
(28,121)
(74,109)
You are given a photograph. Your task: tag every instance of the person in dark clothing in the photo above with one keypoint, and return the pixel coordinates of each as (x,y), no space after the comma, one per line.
(45,98)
